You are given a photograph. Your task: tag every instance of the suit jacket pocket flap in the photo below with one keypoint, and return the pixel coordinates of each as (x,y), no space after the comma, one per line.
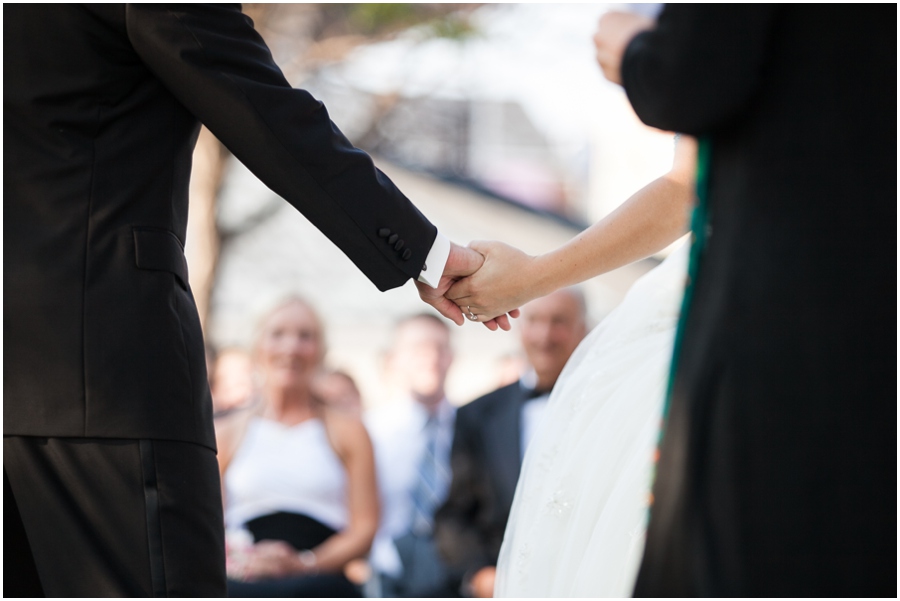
(160,250)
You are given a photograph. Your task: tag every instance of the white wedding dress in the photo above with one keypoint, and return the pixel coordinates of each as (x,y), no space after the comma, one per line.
(579,515)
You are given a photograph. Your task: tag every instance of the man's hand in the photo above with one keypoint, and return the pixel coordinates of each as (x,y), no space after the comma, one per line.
(482,583)
(461,262)
(614,32)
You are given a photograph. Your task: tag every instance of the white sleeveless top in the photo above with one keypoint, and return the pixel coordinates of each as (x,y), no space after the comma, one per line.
(286,468)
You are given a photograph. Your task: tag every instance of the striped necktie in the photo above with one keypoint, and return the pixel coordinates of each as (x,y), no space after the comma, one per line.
(433,481)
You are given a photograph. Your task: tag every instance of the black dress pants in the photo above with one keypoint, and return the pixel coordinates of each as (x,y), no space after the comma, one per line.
(117,518)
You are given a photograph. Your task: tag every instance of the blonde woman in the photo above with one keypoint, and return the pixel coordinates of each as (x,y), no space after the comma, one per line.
(298,476)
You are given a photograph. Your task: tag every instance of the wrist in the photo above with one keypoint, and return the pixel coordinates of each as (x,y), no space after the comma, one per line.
(543,275)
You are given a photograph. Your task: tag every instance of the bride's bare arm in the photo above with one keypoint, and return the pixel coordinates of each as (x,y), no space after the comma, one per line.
(651,219)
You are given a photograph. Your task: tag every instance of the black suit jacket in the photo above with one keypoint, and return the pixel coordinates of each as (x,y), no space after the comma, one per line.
(102,106)
(777,474)
(486,461)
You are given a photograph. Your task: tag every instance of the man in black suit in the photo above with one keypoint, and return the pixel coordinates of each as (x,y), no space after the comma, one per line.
(109,453)
(489,442)
(777,474)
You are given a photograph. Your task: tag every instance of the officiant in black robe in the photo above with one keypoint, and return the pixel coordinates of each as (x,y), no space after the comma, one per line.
(777,473)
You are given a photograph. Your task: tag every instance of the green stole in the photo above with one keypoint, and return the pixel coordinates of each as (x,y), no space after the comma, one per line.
(699,236)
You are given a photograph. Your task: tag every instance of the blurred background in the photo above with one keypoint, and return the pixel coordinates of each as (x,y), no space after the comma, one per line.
(493,119)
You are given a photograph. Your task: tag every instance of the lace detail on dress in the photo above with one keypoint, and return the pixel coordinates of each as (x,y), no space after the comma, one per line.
(662,322)
(522,558)
(577,403)
(559,504)
(547,457)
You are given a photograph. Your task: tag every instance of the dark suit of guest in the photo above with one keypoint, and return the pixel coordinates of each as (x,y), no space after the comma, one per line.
(778,471)
(486,460)
(108,435)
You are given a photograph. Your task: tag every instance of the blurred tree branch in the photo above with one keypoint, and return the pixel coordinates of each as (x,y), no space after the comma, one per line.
(303,38)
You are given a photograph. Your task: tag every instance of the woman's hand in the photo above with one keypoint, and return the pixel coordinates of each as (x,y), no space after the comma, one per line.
(462,261)
(507,280)
(271,559)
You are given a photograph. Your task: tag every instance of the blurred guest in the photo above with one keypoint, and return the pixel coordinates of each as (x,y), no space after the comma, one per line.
(490,438)
(299,478)
(510,368)
(339,391)
(231,380)
(412,444)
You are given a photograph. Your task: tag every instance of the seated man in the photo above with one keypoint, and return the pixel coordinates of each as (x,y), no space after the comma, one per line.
(412,439)
(490,438)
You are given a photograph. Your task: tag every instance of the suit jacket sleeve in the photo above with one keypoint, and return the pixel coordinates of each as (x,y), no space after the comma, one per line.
(215,64)
(699,67)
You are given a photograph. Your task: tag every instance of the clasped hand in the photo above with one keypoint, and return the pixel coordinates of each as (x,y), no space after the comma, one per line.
(265,559)
(486,280)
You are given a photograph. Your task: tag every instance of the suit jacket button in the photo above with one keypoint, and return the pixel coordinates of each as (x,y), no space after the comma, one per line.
(384,232)
(399,245)
(393,238)
(407,254)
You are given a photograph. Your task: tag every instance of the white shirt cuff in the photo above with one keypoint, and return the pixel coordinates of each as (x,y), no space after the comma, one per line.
(436,261)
